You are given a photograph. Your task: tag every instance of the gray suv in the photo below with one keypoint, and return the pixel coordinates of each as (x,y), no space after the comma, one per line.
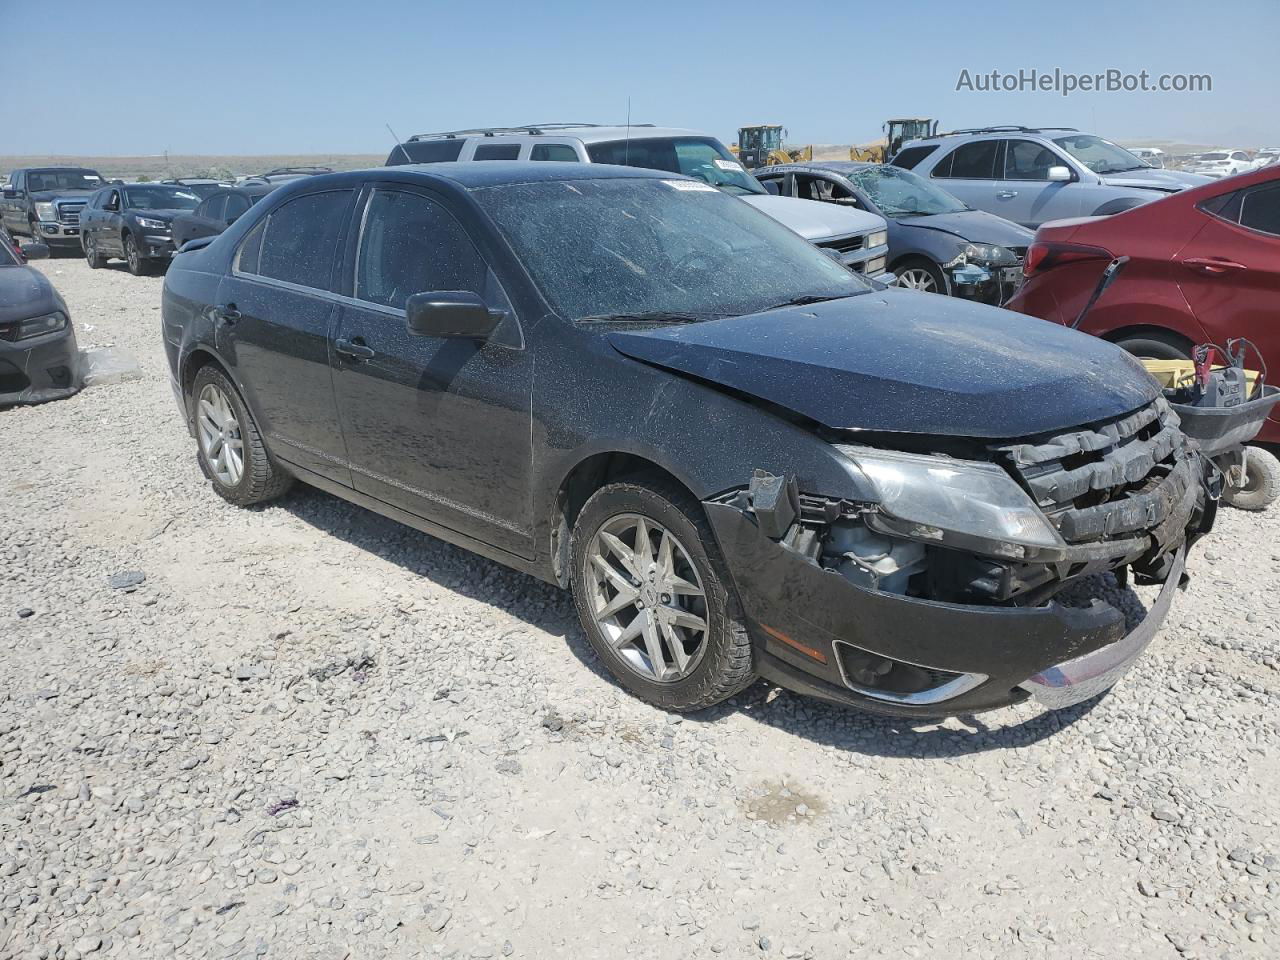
(856,238)
(1031,175)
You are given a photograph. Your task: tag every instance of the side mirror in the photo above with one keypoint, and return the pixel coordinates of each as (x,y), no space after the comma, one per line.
(34,251)
(1060,174)
(772,187)
(450,313)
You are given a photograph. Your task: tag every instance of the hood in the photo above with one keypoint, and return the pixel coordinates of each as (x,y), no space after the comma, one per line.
(45,196)
(906,362)
(25,292)
(973,226)
(814,220)
(1150,178)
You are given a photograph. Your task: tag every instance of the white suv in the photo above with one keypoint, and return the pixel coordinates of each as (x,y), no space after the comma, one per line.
(857,238)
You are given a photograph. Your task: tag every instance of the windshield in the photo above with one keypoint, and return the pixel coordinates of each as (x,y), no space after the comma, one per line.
(1100,156)
(160,197)
(39,180)
(705,158)
(203,190)
(901,193)
(633,248)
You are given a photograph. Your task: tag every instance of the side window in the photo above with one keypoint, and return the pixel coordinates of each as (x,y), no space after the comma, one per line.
(425,151)
(1225,206)
(1028,160)
(971,161)
(497,151)
(251,249)
(301,239)
(113,200)
(409,245)
(554,151)
(236,205)
(1260,209)
(820,188)
(1239,155)
(213,207)
(911,156)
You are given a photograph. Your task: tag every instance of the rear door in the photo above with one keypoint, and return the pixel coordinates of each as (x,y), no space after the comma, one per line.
(278,308)
(439,427)
(969,172)
(1229,272)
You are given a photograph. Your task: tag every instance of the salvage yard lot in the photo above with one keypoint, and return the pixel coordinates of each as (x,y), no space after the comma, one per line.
(311,732)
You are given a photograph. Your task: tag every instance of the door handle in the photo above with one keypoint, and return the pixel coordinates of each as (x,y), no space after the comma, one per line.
(1007,194)
(1212,265)
(354,349)
(226,313)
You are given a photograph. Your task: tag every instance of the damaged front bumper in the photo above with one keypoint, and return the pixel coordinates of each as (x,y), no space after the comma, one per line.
(40,369)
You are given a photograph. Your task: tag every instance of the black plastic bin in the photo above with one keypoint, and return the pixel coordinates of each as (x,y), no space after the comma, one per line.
(1219,429)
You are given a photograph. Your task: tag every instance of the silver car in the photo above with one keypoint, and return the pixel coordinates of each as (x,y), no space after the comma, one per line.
(1032,175)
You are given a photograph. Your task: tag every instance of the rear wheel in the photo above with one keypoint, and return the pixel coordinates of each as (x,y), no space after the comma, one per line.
(1261,482)
(1156,346)
(654,597)
(229,447)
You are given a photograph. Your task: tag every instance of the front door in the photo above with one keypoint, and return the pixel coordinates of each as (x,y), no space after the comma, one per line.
(439,427)
(276,311)
(1026,194)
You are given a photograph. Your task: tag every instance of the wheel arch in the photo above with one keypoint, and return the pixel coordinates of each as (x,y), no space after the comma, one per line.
(1118,205)
(1149,330)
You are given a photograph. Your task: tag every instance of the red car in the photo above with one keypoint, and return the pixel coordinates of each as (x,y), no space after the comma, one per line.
(1204,265)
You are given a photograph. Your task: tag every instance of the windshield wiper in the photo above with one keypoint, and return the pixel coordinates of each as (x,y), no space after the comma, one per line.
(652,316)
(806,300)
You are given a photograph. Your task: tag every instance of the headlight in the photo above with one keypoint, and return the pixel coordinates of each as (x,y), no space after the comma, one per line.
(990,254)
(47,211)
(964,503)
(878,239)
(146,223)
(34,326)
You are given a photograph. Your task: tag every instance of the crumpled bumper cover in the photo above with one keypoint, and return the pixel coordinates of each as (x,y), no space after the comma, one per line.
(45,368)
(1042,651)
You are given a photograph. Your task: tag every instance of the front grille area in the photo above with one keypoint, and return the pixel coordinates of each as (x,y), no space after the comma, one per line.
(843,244)
(1115,479)
(69,214)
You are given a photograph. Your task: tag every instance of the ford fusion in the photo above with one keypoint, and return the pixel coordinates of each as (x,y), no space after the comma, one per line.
(742,459)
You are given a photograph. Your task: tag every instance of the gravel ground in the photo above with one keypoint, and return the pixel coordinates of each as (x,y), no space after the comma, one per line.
(312,733)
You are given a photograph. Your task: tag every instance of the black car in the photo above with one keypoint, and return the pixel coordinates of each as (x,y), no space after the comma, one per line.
(44,203)
(216,212)
(133,221)
(39,359)
(937,244)
(741,458)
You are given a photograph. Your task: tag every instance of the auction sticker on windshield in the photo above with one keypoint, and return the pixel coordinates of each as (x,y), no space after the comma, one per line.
(728,164)
(689,185)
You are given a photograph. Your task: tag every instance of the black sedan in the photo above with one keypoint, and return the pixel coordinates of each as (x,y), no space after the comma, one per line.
(133,221)
(39,359)
(742,459)
(937,244)
(217,211)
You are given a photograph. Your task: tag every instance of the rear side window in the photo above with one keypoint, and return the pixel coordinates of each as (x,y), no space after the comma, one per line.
(911,156)
(496,151)
(554,151)
(1225,206)
(1260,209)
(425,151)
(409,245)
(300,241)
(971,161)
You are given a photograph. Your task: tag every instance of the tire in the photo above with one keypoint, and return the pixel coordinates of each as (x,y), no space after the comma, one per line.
(717,660)
(1156,346)
(95,259)
(258,478)
(917,273)
(1261,483)
(133,257)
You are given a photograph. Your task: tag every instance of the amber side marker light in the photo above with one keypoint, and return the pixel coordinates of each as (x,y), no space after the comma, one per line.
(807,651)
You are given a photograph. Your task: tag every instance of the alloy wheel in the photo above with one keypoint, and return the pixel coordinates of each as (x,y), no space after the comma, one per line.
(220,435)
(647,598)
(131,254)
(89,253)
(917,278)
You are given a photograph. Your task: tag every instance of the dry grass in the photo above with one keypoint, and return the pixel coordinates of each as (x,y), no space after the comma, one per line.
(181,165)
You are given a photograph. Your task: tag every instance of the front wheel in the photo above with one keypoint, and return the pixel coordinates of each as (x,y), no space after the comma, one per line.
(133,256)
(229,447)
(923,275)
(95,259)
(655,599)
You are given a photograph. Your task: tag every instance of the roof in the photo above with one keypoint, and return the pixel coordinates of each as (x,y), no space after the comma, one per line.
(489,173)
(586,132)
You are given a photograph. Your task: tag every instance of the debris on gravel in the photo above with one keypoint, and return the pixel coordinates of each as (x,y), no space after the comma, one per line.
(309,732)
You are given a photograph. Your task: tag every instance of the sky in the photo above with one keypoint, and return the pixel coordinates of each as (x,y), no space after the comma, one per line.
(136,77)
